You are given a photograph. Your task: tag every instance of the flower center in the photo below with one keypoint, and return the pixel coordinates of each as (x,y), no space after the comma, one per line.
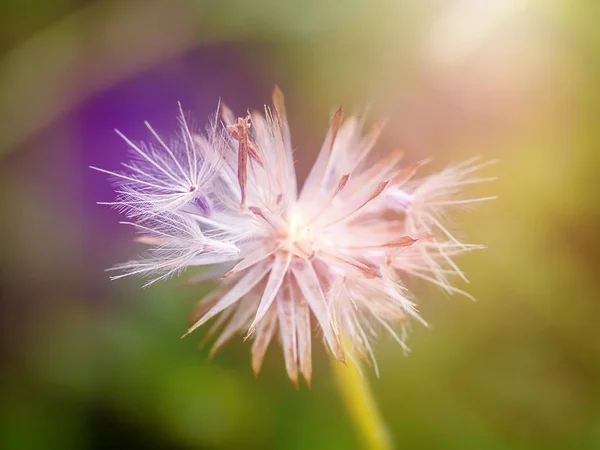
(298,240)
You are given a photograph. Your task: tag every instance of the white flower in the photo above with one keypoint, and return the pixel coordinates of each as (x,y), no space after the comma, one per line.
(333,253)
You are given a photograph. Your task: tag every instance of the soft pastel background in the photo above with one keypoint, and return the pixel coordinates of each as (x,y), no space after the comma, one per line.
(93,364)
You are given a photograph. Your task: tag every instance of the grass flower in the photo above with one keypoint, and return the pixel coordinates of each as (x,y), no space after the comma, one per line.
(334,254)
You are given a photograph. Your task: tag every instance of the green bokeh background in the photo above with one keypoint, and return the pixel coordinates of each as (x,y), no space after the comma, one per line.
(93,364)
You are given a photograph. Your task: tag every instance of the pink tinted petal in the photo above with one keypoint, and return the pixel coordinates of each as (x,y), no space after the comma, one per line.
(287,329)
(241,288)
(309,285)
(278,270)
(264,334)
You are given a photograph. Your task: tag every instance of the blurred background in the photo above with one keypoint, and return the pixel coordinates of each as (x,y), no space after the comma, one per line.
(93,364)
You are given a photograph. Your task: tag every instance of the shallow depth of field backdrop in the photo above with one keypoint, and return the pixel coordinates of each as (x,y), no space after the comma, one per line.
(93,364)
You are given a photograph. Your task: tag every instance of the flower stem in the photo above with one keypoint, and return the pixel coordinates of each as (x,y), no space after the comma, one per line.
(360,404)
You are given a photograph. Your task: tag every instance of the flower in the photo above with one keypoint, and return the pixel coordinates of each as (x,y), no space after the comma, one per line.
(335,253)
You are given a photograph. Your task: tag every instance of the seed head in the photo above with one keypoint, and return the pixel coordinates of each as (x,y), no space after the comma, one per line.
(335,254)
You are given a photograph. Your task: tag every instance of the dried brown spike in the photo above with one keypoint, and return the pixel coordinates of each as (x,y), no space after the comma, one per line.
(404,241)
(239,131)
(378,190)
(336,122)
(368,270)
(279,106)
(341,184)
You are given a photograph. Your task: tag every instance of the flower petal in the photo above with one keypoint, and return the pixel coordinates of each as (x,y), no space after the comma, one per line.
(263,337)
(309,285)
(241,288)
(278,270)
(287,330)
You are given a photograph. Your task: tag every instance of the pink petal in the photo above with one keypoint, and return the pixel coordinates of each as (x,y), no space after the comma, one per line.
(241,288)
(309,285)
(278,271)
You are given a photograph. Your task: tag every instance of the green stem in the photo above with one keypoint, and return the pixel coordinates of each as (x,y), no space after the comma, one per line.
(359,401)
